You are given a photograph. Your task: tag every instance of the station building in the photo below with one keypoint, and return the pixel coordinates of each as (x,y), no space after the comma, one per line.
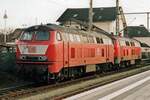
(104,18)
(139,33)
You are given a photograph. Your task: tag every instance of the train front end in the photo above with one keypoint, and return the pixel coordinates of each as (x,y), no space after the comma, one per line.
(33,49)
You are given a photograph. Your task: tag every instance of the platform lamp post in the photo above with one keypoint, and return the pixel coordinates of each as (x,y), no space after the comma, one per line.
(5,17)
(90,16)
(117,17)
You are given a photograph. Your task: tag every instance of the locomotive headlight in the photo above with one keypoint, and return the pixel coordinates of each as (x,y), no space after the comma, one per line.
(22,57)
(42,58)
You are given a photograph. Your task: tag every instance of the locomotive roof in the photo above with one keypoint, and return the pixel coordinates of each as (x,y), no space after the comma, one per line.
(53,27)
(126,39)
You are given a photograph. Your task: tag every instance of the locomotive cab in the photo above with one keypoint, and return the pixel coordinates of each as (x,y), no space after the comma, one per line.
(36,50)
(33,44)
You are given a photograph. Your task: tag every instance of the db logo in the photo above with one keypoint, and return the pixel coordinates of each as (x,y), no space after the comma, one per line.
(31,49)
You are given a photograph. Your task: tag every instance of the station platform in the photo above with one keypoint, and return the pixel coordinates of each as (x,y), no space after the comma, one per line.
(136,87)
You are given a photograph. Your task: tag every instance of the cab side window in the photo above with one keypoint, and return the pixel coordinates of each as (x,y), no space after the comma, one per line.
(58,36)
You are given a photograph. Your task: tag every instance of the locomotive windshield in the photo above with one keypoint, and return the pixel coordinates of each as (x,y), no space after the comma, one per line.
(35,35)
(27,36)
(42,36)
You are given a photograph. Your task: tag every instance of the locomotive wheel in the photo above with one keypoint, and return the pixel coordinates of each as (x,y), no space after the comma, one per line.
(21,72)
(116,67)
(105,68)
(111,67)
(127,64)
(59,76)
(98,69)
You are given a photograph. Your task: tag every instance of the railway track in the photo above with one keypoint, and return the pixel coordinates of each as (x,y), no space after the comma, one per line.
(24,86)
(13,92)
(68,88)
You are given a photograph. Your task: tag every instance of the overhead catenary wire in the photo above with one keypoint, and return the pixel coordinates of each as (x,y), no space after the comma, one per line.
(56,3)
(147,14)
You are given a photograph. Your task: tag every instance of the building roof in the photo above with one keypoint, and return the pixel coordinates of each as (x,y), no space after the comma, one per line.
(138,31)
(99,14)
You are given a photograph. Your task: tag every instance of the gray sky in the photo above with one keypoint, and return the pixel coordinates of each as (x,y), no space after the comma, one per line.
(30,12)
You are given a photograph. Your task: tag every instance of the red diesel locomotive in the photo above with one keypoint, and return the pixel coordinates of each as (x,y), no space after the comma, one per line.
(127,51)
(57,52)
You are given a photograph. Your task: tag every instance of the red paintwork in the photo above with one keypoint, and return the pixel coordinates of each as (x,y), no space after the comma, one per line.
(125,53)
(70,54)
(84,54)
(63,54)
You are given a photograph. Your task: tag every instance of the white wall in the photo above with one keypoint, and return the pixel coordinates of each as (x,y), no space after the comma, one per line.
(109,26)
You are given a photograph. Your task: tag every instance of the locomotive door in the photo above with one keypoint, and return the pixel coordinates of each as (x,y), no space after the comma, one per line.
(66,54)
